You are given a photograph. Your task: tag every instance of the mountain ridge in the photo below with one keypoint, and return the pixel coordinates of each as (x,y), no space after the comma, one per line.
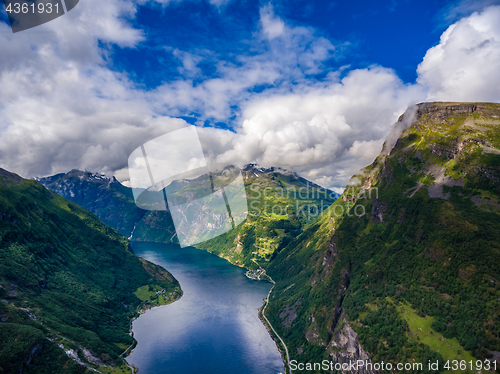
(431,197)
(10,176)
(103,196)
(347,269)
(69,284)
(114,203)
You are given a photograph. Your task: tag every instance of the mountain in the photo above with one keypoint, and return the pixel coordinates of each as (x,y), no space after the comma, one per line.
(69,285)
(108,199)
(114,204)
(281,204)
(404,267)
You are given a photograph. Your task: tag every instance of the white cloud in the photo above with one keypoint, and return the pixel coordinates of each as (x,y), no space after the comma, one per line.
(464,8)
(365,149)
(288,57)
(189,61)
(62,107)
(318,127)
(465,65)
(272,26)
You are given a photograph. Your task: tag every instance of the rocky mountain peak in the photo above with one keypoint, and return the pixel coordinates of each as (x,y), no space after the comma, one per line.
(441,111)
(10,176)
(254,170)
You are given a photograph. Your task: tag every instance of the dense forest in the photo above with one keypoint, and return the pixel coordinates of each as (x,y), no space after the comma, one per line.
(280,205)
(69,284)
(407,257)
(413,263)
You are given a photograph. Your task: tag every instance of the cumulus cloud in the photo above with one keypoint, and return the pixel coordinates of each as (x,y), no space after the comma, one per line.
(320,130)
(465,65)
(280,57)
(63,106)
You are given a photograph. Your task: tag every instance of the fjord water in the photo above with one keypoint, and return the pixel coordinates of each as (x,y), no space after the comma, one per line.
(213,328)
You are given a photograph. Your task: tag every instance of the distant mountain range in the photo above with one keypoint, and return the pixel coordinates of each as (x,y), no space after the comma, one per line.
(69,284)
(114,204)
(281,204)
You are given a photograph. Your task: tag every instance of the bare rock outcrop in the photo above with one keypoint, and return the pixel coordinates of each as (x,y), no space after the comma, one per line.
(345,348)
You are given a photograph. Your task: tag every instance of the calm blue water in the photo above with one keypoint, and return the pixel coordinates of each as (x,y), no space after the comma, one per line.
(213,328)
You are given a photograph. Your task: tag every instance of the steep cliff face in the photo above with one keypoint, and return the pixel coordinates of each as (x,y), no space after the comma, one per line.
(404,266)
(105,197)
(410,251)
(345,349)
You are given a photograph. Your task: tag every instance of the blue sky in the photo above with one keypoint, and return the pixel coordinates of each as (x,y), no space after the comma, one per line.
(394,34)
(312,86)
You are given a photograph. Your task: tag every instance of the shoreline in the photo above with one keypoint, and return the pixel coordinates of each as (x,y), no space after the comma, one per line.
(141,309)
(250,274)
(270,329)
(262,316)
(285,356)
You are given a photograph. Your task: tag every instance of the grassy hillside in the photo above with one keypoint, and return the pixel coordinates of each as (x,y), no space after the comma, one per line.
(69,284)
(280,205)
(404,267)
(409,255)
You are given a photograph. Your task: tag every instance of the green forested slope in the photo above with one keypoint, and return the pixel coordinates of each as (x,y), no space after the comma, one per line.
(112,202)
(66,280)
(408,257)
(413,263)
(280,205)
